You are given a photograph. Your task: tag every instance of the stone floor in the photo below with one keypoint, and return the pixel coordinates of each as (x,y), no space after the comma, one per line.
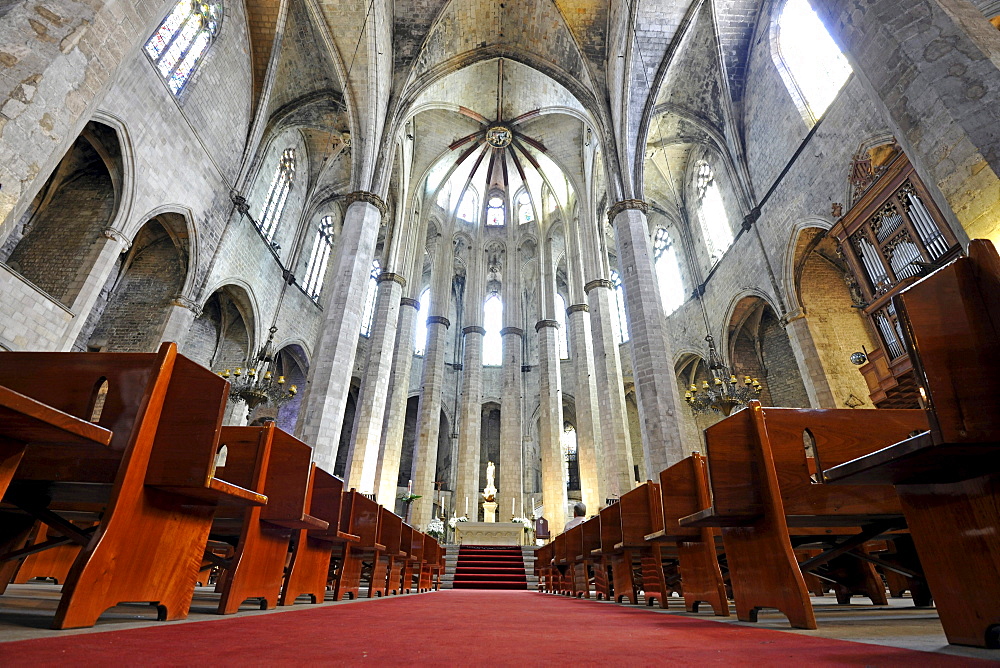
(27,610)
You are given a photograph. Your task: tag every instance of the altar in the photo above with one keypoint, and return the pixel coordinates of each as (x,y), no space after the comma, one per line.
(490,533)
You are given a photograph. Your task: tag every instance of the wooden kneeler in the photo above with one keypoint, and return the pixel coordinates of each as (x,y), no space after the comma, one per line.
(152,489)
(309,570)
(278,464)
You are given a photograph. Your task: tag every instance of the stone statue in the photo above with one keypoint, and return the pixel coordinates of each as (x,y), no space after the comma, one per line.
(490,491)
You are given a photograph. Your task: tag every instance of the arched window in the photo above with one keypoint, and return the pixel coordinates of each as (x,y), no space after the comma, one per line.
(493,323)
(368,313)
(467,207)
(618,320)
(495,212)
(668,271)
(181,41)
(712,213)
(563,337)
(525,214)
(319,257)
(420,331)
(811,64)
(568,443)
(277,194)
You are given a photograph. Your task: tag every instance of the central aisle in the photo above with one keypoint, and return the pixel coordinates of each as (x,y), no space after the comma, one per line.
(457,628)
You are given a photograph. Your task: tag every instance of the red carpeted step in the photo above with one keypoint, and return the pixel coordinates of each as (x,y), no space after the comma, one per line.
(489,567)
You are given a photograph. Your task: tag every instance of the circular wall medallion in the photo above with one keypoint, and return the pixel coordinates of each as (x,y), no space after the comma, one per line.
(499,137)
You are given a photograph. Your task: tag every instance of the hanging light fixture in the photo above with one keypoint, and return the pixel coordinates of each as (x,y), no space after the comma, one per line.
(259,384)
(725,392)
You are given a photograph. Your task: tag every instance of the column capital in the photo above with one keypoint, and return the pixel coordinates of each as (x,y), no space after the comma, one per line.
(546,323)
(598,283)
(574,308)
(188,303)
(625,205)
(116,235)
(370,198)
(474,329)
(511,330)
(438,320)
(792,316)
(406,301)
(395,278)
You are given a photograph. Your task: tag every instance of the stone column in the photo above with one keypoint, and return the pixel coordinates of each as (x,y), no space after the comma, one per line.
(932,67)
(183,312)
(88,286)
(429,413)
(616,438)
(330,374)
(510,471)
(550,418)
(588,429)
(470,419)
(652,361)
(362,459)
(391,440)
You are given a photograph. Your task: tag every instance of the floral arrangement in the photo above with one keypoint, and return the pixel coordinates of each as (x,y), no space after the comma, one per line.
(529,524)
(435,528)
(455,520)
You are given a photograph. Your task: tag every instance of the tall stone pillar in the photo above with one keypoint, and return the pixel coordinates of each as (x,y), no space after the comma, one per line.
(182,314)
(932,66)
(550,418)
(391,439)
(470,420)
(588,425)
(330,374)
(616,438)
(510,472)
(652,361)
(363,457)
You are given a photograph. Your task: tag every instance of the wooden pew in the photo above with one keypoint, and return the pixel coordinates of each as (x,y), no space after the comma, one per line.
(51,563)
(576,574)
(411,573)
(308,572)
(430,557)
(594,557)
(279,465)
(437,568)
(684,491)
(390,531)
(543,567)
(562,564)
(767,503)
(620,558)
(948,475)
(398,563)
(641,515)
(152,488)
(360,516)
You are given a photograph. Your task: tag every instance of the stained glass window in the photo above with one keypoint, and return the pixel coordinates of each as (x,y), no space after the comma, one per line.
(495,212)
(320,256)
(525,214)
(420,333)
(467,208)
(181,41)
(368,313)
(712,212)
(277,194)
(493,323)
(618,320)
(563,336)
(668,271)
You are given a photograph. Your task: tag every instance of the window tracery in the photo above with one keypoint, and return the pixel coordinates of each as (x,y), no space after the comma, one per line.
(668,271)
(495,211)
(618,320)
(181,41)
(525,213)
(277,194)
(319,258)
(493,323)
(368,312)
(712,213)
(563,337)
(420,335)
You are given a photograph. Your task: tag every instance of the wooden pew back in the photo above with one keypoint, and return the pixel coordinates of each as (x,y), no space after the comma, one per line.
(327,493)
(574,543)
(590,535)
(390,530)
(641,513)
(360,514)
(611,527)
(684,491)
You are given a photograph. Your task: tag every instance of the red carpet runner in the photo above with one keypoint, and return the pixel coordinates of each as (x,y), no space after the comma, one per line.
(458,628)
(490,567)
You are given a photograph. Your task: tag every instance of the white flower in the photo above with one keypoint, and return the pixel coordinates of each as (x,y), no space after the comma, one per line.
(435,526)
(455,520)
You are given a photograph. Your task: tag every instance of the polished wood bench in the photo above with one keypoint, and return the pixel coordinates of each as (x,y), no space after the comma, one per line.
(415,557)
(641,515)
(152,489)
(398,563)
(594,558)
(620,559)
(768,503)
(948,475)
(683,491)
(279,465)
(390,533)
(359,517)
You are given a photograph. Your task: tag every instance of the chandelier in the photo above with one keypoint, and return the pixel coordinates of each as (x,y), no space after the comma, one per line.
(258,385)
(725,392)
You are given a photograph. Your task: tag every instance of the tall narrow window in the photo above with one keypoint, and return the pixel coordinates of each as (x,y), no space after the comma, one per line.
(618,320)
(563,336)
(182,40)
(712,213)
(368,312)
(319,257)
(270,216)
(420,333)
(668,271)
(468,205)
(495,212)
(493,323)
(811,64)
(568,443)
(525,214)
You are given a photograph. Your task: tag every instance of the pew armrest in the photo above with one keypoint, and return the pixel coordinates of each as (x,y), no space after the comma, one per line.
(349,537)
(709,518)
(304,522)
(656,536)
(218,492)
(918,460)
(26,420)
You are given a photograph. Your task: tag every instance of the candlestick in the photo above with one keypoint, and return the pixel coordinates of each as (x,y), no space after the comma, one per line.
(409,488)
(512,507)
(466,506)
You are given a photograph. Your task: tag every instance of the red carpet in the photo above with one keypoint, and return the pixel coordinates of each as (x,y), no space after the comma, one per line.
(458,628)
(490,567)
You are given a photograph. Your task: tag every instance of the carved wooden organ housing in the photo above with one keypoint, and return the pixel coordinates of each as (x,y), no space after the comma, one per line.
(892,235)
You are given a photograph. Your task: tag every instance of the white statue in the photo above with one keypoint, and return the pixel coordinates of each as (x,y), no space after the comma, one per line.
(490,491)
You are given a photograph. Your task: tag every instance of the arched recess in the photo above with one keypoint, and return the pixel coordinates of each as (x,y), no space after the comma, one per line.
(489,449)
(822,287)
(409,441)
(443,466)
(292,363)
(759,347)
(132,309)
(222,337)
(570,450)
(54,244)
